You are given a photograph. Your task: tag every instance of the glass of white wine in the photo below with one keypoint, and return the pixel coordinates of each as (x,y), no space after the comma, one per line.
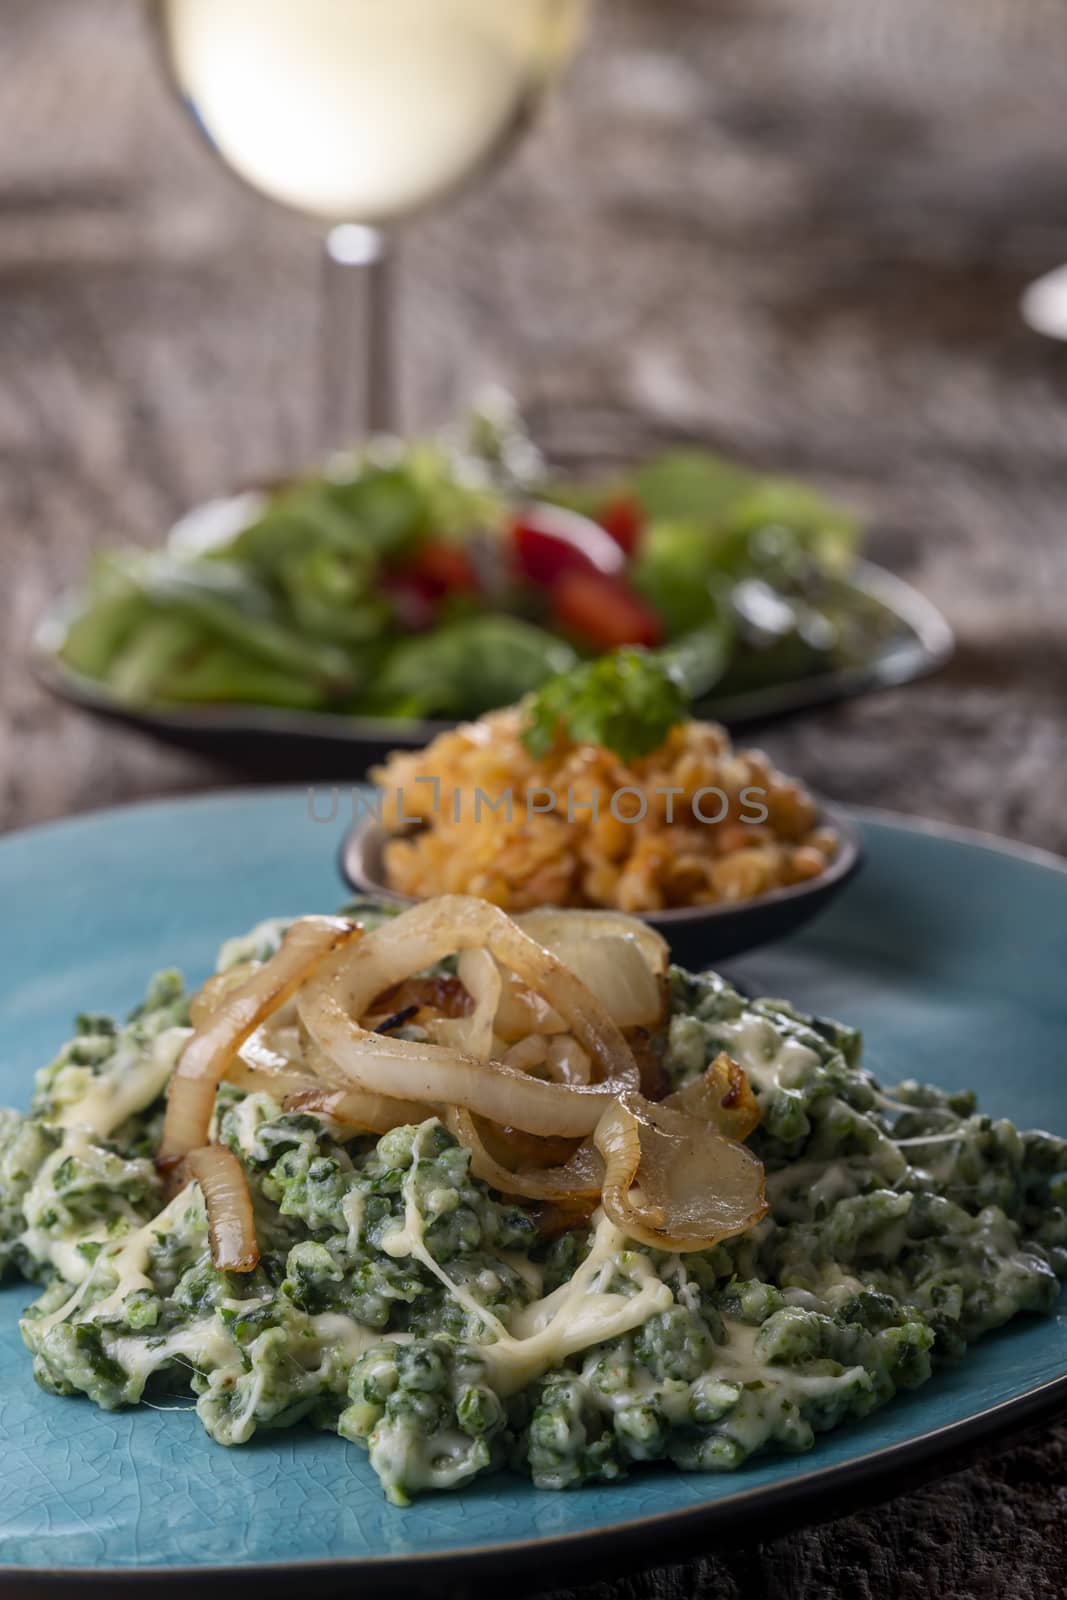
(360,114)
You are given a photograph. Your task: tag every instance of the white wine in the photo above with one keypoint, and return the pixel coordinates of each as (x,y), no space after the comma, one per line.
(364,110)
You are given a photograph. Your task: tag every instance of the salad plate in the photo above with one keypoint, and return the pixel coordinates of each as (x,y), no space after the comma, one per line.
(947,951)
(399,590)
(918,642)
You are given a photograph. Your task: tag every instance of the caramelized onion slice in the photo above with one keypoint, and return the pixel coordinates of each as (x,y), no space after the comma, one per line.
(443,995)
(529,1055)
(210,996)
(578,1179)
(281,1081)
(231,1224)
(258,1054)
(324,1093)
(617,973)
(355,1109)
(435,1075)
(620,959)
(566,1061)
(514,1149)
(522,1012)
(473,1034)
(722,1096)
(214,1045)
(344,986)
(696,1187)
(550,928)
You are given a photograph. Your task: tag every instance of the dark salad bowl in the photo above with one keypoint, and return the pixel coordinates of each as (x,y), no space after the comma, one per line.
(699,936)
(292,743)
(307,627)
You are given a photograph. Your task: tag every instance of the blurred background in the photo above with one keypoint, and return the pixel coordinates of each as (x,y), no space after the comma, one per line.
(794,229)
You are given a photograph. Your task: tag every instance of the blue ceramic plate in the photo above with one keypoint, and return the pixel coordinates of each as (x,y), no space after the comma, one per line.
(949,951)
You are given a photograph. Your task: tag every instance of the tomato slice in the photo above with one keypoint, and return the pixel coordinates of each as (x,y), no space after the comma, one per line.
(623,519)
(417,587)
(549,541)
(603,610)
(440,569)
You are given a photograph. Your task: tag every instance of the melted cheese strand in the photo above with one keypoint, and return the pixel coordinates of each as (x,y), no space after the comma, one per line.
(576,1315)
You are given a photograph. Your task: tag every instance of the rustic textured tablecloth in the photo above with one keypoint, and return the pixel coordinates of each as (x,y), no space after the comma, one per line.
(797,228)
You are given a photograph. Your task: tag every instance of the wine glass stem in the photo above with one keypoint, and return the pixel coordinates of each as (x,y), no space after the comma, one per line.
(358,376)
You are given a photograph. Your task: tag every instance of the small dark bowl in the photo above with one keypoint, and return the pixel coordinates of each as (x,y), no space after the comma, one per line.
(698,935)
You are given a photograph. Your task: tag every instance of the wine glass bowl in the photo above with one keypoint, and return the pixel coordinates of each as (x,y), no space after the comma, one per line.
(355,111)
(361,114)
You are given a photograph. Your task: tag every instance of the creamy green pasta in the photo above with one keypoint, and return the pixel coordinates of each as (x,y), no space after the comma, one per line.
(404,1305)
